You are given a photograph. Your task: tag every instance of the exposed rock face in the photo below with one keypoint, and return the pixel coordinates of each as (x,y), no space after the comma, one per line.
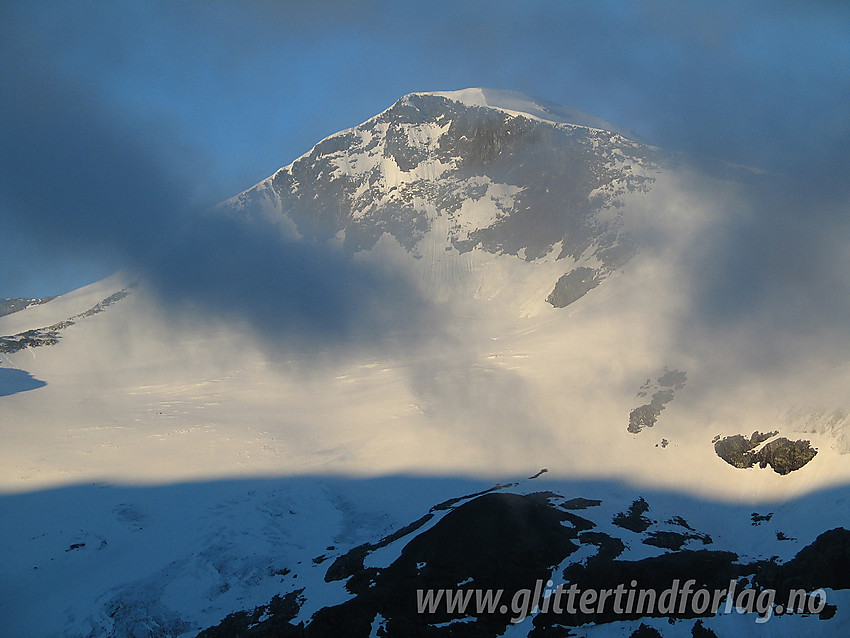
(664,390)
(634,519)
(50,335)
(782,454)
(14,304)
(574,285)
(736,450)
(496,541)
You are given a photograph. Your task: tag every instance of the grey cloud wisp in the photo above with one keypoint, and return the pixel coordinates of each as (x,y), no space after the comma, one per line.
(82,181)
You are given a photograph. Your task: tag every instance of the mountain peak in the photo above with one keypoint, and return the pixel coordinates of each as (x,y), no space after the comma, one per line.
(494,173)
(516,103)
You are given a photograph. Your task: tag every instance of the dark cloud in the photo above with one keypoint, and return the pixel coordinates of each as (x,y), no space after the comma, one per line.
(753,83)
(82,181)
(777,263)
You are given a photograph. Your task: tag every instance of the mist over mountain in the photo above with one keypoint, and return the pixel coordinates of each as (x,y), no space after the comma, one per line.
(404,360)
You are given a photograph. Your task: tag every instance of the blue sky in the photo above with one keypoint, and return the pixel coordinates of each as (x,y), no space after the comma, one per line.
(120,108)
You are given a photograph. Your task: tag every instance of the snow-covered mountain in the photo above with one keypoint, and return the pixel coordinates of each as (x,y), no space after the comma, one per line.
(446,174)
(165,470)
